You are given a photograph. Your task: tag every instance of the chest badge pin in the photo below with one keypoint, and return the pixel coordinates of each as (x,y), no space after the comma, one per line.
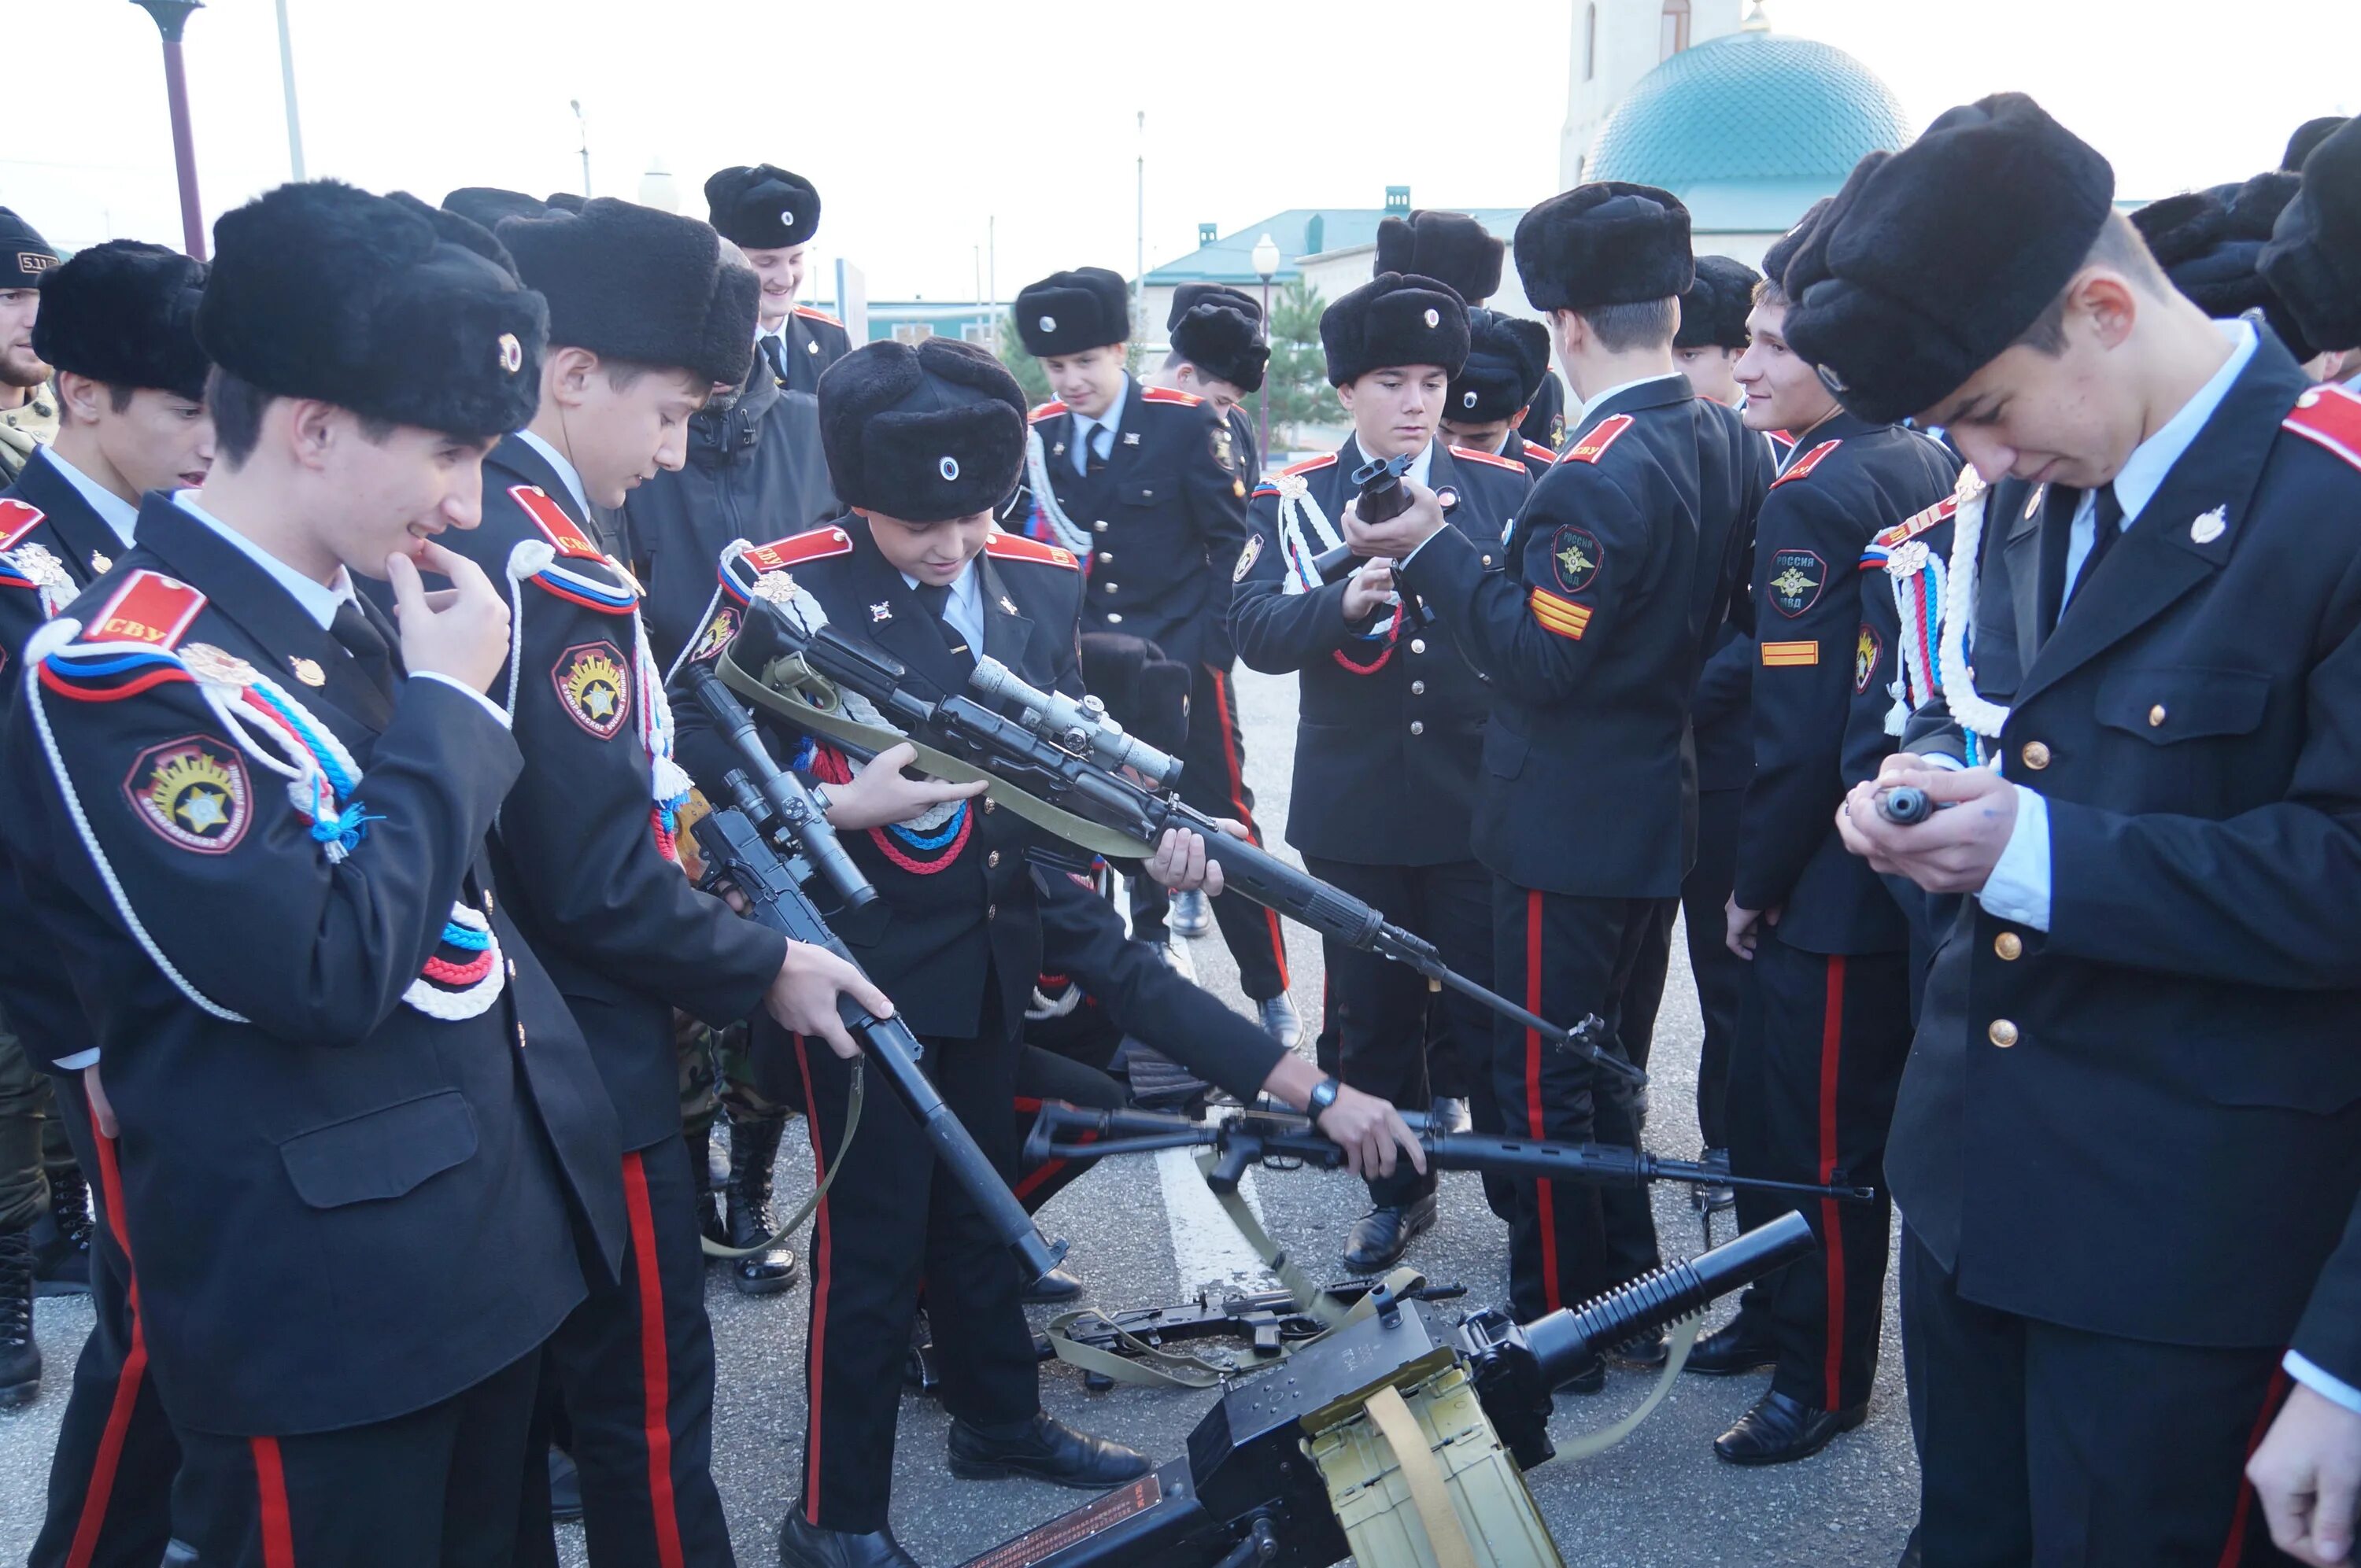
(2210,526)
(308,671)
(879,614)
(1131,438)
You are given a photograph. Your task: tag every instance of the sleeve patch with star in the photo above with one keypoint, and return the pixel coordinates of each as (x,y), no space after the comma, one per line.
(592,686)
(191,793)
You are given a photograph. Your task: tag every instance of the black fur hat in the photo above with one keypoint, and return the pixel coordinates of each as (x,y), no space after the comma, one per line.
(1714,310)
(2208,243)
(763,207)
(2314,260)
(125,314)
(456,228)
(1607,243)
(922,432)
(1145,692)
(324,291)
(2307,136)
(1188,296)
(1068,313)
(561,202)
(1223,342)
(24,254)
(1394,319)
(487,205)
(1788,247)
(1932,260)
(629,282)
(1507,357)
(1450,247)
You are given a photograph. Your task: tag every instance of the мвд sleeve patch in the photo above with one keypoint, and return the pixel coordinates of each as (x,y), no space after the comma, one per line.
(192,792)
(591,684)
(1576,557)
(1795,581)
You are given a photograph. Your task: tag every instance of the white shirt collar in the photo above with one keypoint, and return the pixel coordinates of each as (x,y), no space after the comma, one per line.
(117,513)
(2144,471)
(566,471)
(967,589)
(320,601)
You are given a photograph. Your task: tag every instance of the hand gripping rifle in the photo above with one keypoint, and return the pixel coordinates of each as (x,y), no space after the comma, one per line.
(1062,765)
(741,844)
(1382,498)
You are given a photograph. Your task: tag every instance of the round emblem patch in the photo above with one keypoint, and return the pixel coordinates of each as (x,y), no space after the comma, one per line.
(191,792)
(511,353)
(591,684)
(1865,654)
(786,219)
(1246,558)
(1467,398)
(1048,324)
(1574,559)
(1433,317)
(716,635)
(1795,581)
(948,467)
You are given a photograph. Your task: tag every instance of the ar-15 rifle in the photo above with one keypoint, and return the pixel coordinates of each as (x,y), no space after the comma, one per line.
(1065,756)
(1258,1134)
(1382,496)
(737,841)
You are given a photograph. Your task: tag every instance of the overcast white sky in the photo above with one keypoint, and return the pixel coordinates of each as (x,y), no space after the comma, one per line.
(921,120)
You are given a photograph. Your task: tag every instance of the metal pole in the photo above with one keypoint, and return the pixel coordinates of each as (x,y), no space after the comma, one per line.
(584,126)
(170,17)
(1262,442)
(1139,235)
(287,82)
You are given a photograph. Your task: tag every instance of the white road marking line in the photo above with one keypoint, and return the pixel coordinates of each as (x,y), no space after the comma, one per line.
(1206,1248)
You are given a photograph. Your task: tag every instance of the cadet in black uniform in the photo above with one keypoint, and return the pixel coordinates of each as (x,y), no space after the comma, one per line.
(926,444)
(1826,1025)
(1389,712)
(1459,252)
(1508,356)
(644,320)
(1713,327)
(2145,1002)
(1147,486)
(328,1055)
(773,215)
(1620,569)
(118,323)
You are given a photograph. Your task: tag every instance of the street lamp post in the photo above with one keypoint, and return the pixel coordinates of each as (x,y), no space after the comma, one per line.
(170,17)
(1266,262)
(584,126)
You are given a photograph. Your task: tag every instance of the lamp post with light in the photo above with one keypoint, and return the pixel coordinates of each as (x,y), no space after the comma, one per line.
(1266,262)
(170,17)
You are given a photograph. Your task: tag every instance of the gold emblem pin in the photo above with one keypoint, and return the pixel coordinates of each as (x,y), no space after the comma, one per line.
(308,671)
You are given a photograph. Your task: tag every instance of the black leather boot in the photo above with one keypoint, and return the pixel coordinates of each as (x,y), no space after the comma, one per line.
(805,1545)
(1044,1450)
(700,1169)
(754,1148)
(20,1358)
(61,1238)
(1743,1344)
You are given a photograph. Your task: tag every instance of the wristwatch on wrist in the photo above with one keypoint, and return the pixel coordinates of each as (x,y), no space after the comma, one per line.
(1322,1095)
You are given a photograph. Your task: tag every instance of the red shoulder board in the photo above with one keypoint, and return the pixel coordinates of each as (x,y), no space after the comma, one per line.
(1311,464)
(810,314)
(1169,395)
(1049,409)
(1911,527)
(17,520)
(1806,462)
(1535,449)
(812,544)
(2330,416)
(149,607)
(1016,547)
(1469,455)
(559,529)
(1594,444)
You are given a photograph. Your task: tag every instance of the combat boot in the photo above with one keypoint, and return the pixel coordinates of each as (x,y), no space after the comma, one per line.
(61,1239)
(20,1358)
(700,1166)
(754,1148)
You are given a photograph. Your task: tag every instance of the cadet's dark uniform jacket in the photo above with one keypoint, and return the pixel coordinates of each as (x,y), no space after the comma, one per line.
(960,895)
(1620,572)
(755,472)
(2180,1040)
(1847,483)
(1537,459)
(812,340)
(585,845)
(1167,516)
(1388,715)
(312,1139)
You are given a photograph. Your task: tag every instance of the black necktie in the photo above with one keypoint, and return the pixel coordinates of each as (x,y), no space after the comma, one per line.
(360,639)
(2107,526)
(776,351)
(937,599)
(1101,442)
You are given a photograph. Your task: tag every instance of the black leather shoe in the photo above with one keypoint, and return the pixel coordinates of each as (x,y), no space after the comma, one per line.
(1380,1236)
(1044,1450)
(746,1217)
(1646,1352)
(1778,1430)
(1743,1344)
(1052,1288)
(1190,915)
(1276,1016)
(564,1487)
(805,1545)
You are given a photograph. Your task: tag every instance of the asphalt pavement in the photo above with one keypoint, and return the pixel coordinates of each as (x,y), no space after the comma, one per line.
(1140,1237)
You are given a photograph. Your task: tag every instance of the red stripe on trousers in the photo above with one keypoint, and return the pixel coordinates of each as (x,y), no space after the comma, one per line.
(816,1351)
(1831,1222)
(270,1485)
(655,1371)
(1544,1199)
(2235,1547)
(126,1383)
(1239,802)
